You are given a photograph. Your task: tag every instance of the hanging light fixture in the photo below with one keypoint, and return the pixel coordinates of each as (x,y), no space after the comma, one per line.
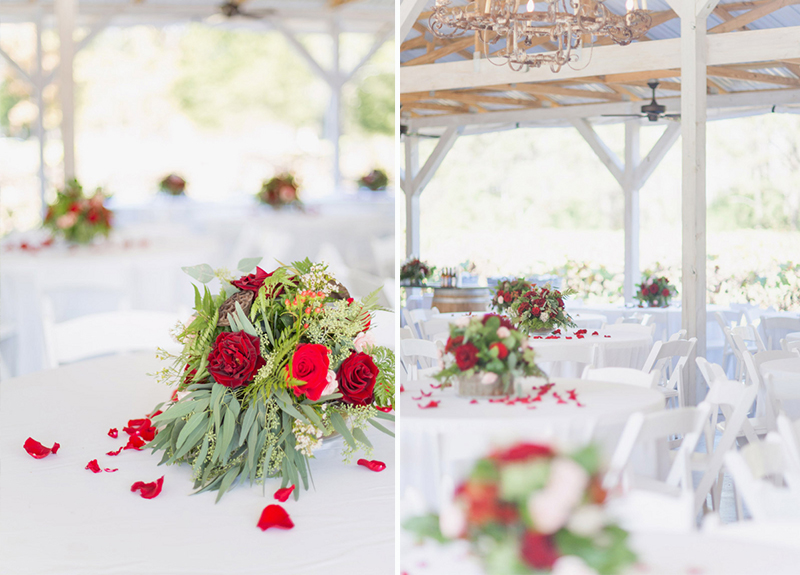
(565,23)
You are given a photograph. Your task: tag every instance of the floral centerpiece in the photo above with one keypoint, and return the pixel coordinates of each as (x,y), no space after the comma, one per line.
(541,309)
(271,366)
(76,217)
(654,292)
(485,354)
(173,185)
(507,291)
(415,272)
(376,180)
(525,507)
(279,191)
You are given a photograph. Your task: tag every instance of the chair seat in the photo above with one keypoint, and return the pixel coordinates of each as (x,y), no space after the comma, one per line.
(759,426)
(668,392)
(654,486)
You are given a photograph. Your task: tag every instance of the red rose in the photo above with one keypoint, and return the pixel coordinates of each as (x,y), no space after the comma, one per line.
(522,452)
(252,282)
(357,376)
(453,342)
(665,292)
(538,551)
(654,289)
(536,311)
(93,215)
(235,359)
(502,351)
(644,290)
(310,364)
(466,356)
(504,321)
(75,207)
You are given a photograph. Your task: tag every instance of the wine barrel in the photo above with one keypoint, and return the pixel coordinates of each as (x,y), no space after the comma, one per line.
(449,300)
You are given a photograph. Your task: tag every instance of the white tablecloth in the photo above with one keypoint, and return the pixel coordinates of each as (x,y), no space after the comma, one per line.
(591,321)
(658,553)
(445,439)
(56,518)
(793,336)
(620,349)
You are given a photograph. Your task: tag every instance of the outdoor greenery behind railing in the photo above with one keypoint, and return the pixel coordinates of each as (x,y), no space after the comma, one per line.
(775,284)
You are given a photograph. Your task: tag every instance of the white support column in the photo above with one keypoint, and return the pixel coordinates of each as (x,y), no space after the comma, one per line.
(630,188)
(409,12)
(336,106)
(412,198)
(39,89)
(65,17)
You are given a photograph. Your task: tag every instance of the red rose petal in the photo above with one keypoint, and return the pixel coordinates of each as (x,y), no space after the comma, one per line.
(606,336)
(93,466)
(430,404)
(425,394)
(107,470)
(416,398)
(37,450)
(275,516)
(474,401)
(373,465)
(383,409)
(283,494)
(436,386)
(113,432)
(595,333)
(117,452)
(134,442)
(148,490)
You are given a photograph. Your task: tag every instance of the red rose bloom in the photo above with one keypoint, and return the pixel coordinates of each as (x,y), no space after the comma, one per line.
(538,551)
(644,290)
(235,359)
(310,364)
(252,282)
(466,356)
(522,452)
(665,292)
(504,321)
(536,311)
(654,289)
(453,342)
(502,351)
(357,376)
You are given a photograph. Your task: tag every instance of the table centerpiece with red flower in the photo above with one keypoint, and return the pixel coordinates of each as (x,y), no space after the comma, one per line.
(541,309)
(271,366)
(524,508)
(414,272)
(77,217)
(280,191)
(484,354)
(376,180)
(507,291)
(172,185)
(654,292)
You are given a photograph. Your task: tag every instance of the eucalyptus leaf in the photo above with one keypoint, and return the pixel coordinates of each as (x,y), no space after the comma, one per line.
(247,265)
(244,322)
(203,273)
(247,422)
(176,411)
(359,434)
(339,425)
(194,422)
(377,425)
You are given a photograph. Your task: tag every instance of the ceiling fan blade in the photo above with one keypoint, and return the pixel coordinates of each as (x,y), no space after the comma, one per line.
(672,115)
(623,115)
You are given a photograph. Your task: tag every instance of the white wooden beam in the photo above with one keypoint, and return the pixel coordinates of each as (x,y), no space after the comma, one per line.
(656,154)
(303,51)
(728,48)
(412,198)
(94,30)
(380,39)
(703,8)
(65,16)
(22,73)
(610,160)
(409,13)
(39,93)
(631,192)
(433,162)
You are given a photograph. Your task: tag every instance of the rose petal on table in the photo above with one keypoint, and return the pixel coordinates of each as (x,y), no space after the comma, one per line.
(431,403)
(436,386)
(373,465)
(402,389)
(425,394)
(148,490)
(113,432)
(416,398)
(134,442)
(474,401)
(117,452)
(606,336)
(383,409)
(37,450)
(284,493)
(93,466)
(107,470)
(275,516)
(595,333)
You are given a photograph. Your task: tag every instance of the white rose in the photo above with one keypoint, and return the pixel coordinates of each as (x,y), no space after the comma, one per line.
(503,332)
(568,480)
(363,341)
(332,384)
(500,299)
(587,520)
(67,220)
(452,521)
(548,511)
(462,321)
(544,317)
(489,378)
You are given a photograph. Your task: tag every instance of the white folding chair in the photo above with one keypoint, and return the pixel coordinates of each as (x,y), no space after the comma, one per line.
(434,325)
(776,327)
(790,345)
(671,377)
(680,334)
(637,318)
(420,357)
(727,347)
(624,375)
(564,355)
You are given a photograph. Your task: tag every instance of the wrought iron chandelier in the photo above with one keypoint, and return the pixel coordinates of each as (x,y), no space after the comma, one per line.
(565,23)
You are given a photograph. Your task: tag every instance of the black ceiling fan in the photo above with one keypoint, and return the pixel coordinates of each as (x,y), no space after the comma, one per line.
(232,9)
(652,111)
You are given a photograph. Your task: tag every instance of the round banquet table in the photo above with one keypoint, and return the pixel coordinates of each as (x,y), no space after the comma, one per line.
(782,369)
(793,336)
(617,348)
(658,554)
(444,438)
(60,519)
(591,321)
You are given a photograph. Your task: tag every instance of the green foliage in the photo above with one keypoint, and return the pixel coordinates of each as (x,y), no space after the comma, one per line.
(374,111)
(384,386)
(425,527)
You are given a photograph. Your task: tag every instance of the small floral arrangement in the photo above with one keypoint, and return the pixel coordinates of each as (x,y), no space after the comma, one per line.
(76,217)
(525,507)
(540,309)
(281,190)
(415,271)
(507,291)
(271,366)
(655,292)
(376,180)
(489,346)
(173,185)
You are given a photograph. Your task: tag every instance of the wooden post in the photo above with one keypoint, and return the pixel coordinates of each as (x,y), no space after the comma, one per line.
(336,107)
(65,17)
(39,88)
(412,197)
(631,190)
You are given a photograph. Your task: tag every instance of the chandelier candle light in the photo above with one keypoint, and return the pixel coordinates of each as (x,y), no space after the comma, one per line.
(567,24)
